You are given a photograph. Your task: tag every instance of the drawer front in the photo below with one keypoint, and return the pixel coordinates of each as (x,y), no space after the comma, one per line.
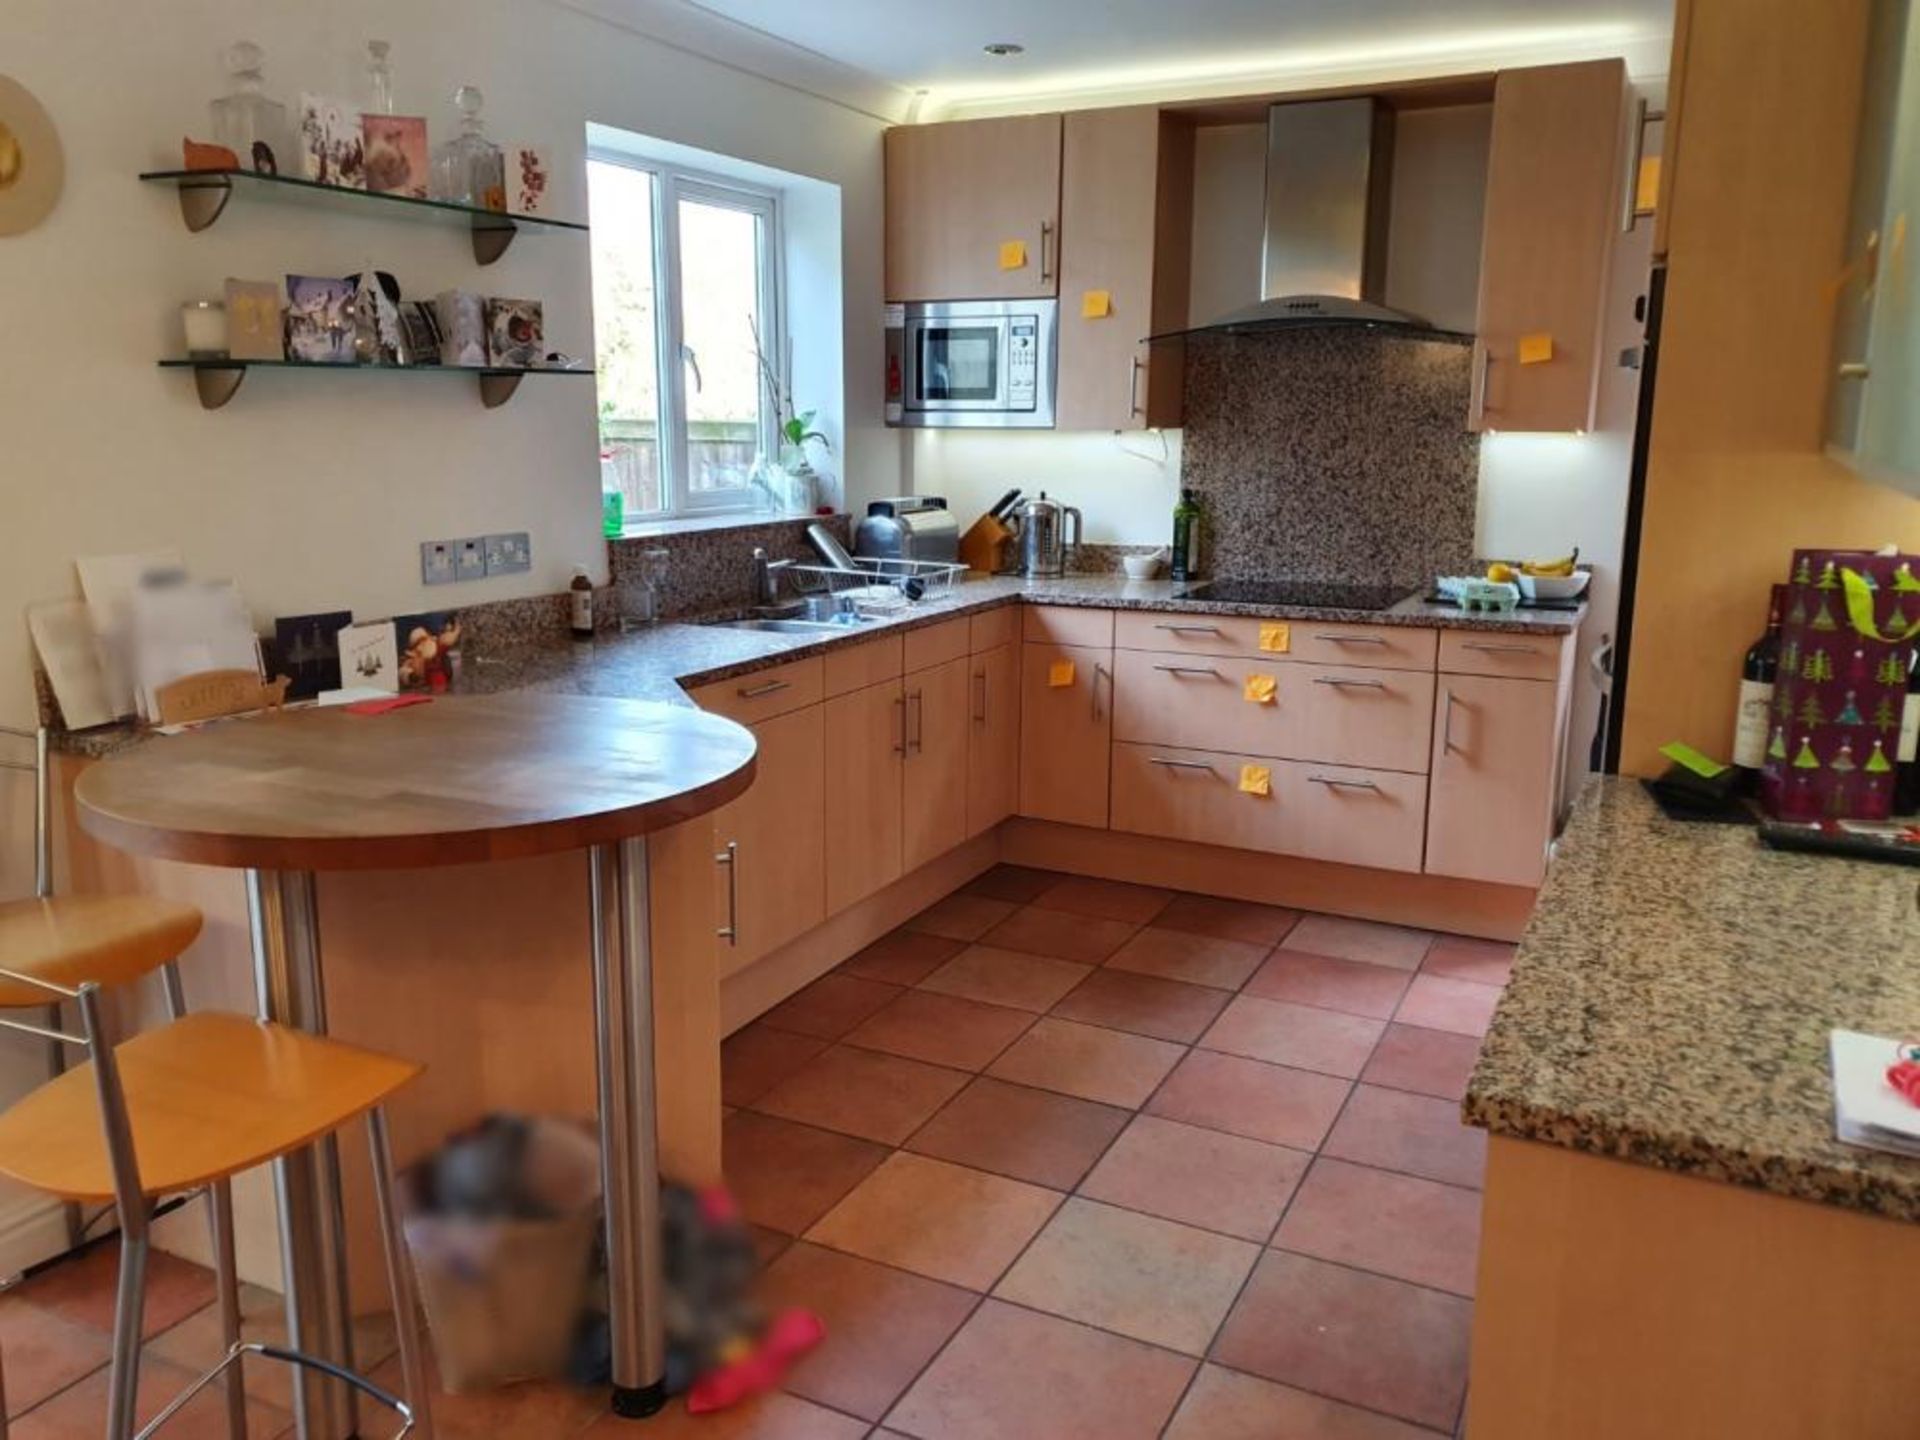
(1187,634)
(1386,647)
(935,644)
(1490,652)
(1381,647)
(1335,813)
(999,626)
(1345,715)
(854,667)
(1068,625)
(763,693)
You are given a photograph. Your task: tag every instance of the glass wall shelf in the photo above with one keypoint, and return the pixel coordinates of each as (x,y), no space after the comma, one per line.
(216,380)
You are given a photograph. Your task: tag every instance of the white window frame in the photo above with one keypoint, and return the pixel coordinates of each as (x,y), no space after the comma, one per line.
(671,184)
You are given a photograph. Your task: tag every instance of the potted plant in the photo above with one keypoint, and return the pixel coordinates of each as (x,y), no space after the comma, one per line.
(789,479)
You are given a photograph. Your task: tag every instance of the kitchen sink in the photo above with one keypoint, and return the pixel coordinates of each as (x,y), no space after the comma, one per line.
(800,627)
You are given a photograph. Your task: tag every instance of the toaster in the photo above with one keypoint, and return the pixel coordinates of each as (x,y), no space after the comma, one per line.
(908,527)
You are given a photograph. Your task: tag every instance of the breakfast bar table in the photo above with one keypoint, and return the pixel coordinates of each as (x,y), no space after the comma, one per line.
(456,781)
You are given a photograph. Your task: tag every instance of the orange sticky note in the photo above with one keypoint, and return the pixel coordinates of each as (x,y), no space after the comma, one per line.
(1256,780)
(1259,689)
(1276,637)
(1536,349)
(1096,304)
(1013,254)
(1060,674)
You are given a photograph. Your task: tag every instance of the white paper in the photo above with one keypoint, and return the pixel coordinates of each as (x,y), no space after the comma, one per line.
(186,629)
(370,657)
(108,582)
(1867,1110)
(62,632)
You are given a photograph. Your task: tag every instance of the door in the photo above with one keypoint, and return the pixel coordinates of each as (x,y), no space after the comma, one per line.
(1066,724)
(973,209)
(1126,205)
(1490,811)
(865,751)
(934,786)
(993,737)
(775,885)
(1553,205)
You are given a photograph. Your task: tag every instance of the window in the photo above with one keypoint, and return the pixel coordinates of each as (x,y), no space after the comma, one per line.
(685,304)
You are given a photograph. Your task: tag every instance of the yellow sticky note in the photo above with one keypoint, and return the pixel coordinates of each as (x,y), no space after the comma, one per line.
(1276,637)
(1259,689)
(1256,780)
(1013,254)
(1096,304)
(1536,349)
(1060,674)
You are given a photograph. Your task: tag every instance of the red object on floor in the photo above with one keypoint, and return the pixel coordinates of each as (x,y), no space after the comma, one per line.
(792,1334)
(718,1207)
(381,707)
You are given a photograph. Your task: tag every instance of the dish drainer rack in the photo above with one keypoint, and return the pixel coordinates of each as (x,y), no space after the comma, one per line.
(876,586)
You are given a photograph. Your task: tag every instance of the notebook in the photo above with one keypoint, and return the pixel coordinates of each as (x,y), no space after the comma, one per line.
(1867,1110)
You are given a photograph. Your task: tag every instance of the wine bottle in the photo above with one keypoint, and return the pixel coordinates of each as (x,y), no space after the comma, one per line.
(1906,775)
(1754,714)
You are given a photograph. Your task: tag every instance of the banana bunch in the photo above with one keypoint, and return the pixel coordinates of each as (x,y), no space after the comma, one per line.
(1507,571)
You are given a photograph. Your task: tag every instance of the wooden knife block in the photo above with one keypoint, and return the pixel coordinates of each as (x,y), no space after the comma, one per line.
(984,546)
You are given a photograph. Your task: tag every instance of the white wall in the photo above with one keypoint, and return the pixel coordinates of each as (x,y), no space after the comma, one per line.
(1124,485)
(313,491)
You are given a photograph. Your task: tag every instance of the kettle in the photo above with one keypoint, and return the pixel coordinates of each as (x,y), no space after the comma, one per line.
(1043,536)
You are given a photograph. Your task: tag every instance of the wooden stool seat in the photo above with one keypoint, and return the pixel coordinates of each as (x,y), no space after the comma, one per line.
(208,1096)
(70,940)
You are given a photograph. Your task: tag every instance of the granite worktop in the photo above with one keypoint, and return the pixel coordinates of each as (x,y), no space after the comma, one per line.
(1671,1000)
(657,662)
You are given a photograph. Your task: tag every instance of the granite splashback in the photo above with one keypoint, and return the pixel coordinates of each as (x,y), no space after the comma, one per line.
(1332,454)
(708,570)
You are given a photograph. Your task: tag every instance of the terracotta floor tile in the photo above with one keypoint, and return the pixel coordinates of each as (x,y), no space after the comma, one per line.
(1431,1062)
(774,1416)
(1108,899)
(1247,1097)
(757,1057)
(1143,1004)
(1348,985)
(1438,1003)
(44,1353)
(1027,1134)
(1460,957)
(1196,959)
(1414,1134)
(1084,1060)
(787,1176)
(1006,977)
(863,1092)
(81,1288)
(768,1245)
(962,916)
(1302,1036)
(1226,1405)
(80,1411)
(1368,941)
(1133,1274)
(1352,1336)
(945,1221)
(902,957)
(883,1325)
(1241,920)
(830,1006)
(1011,1374)
(942,1029)
(195,1343)
(1061,933)
(1018,883)
(1390,1224)
(1199,1177)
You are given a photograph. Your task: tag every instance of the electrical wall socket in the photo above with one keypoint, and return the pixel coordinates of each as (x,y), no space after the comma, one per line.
(470,558)
(509,554)
(436,562)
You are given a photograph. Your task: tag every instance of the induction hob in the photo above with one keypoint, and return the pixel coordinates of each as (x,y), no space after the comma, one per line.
(1305,594)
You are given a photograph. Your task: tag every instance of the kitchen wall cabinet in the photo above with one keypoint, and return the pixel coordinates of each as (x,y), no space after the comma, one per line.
(1066,729)
(865,749)
(1492,796)
(773,883)
(1126,239)
(1553,204)
(958,194)
(993,737)
(934,765)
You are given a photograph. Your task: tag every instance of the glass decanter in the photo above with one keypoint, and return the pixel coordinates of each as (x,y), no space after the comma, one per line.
(245,117)
(379,81)
(469,169)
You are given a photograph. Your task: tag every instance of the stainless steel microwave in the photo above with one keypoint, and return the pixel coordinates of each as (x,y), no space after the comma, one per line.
(981,363)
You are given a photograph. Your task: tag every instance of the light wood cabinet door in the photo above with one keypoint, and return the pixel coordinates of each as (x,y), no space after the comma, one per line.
(993,737)
(934,787)
(1066,729)
(1491,798)
(865,749)
(1553,205)
(1126,210)
(774,885)
(960,190)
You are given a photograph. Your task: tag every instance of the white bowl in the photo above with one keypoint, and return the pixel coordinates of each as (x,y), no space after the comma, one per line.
(1141,567)
(1554,587)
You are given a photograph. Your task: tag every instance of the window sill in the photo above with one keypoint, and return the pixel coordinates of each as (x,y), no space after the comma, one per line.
(727,520)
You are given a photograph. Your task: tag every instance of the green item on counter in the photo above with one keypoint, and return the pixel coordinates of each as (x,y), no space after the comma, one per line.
(613,514)
(1687,757)
(1186,538)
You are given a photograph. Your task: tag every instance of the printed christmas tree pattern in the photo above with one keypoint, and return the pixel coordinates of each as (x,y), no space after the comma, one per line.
(1849,714)
(1777,747)
(1801,574)
(1903,579)
(1811,715)
(1828,580)
(1890,671)
(1804,758)
(1817,667)
(1823,617)
(1886,716)
(1877,762)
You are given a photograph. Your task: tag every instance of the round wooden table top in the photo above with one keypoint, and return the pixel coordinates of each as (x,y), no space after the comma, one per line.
(460,780)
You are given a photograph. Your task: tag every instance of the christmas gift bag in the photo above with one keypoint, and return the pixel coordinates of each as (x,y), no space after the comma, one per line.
(1852,621)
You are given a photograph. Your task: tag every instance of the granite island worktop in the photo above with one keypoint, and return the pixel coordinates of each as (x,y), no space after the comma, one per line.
(1672,995)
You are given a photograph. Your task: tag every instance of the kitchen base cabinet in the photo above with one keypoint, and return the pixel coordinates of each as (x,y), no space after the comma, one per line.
(993,737)
(1496,745)
(1066,730)
(865,747)
(773,884)
(934,770)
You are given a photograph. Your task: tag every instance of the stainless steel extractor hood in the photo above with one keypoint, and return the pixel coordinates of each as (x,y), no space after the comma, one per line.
(1329,174)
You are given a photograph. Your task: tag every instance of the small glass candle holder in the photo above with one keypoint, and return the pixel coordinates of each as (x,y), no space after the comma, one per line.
(205,324)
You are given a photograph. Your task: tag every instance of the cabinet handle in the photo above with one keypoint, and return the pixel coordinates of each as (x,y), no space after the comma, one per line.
(1098,671)
(1181,764)
(1853,370)
(730,857)
(1180,629)
(917,702)
(1349,639)
(754,692)
(1477,406)
(1331,783)
(1133,385)
(1189,670)
(1345,684)
(1046,237)
(1494,648)
(1446,722)
(900,719)
(980,695)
